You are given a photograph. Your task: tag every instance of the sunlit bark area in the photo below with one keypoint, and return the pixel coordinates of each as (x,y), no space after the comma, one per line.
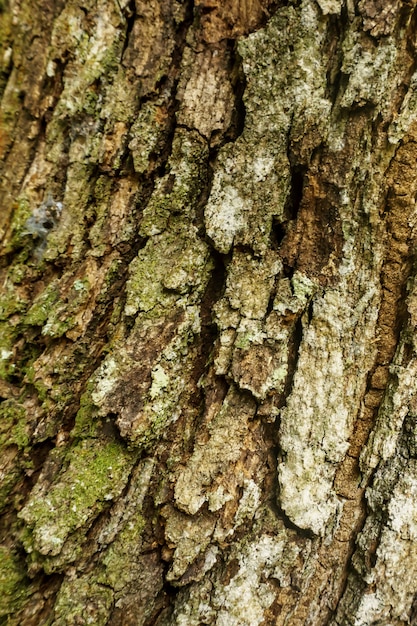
(208,310)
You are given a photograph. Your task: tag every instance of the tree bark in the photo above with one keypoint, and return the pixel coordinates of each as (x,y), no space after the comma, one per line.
(208,308)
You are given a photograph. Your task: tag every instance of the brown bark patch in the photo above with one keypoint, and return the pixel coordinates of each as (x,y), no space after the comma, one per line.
(314,242)
(231,18)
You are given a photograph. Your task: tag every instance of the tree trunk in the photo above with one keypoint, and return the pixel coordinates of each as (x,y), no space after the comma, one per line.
(208,308)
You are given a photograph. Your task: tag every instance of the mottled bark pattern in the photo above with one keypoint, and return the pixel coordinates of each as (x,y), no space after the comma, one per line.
(208,312)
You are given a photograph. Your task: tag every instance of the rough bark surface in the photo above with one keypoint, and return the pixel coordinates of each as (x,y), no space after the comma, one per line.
(208,312)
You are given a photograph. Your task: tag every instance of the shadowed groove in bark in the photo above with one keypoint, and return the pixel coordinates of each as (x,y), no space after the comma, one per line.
(336,33)
(129,14)
(295,343)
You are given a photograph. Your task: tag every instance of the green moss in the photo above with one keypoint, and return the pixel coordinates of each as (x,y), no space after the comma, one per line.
(174,262)
(14,441)
(113,272)
(21,212)
(178,192)
(117,572)
(13,584)
(7,338)
(43,306)
(30,376)
(153,425)
(121,98)
(18,273)
(148,135)
(86,424)
(13,425)
(91,97)
(9,479)
(10,302)
(83,601)
(95,472)
(62,316)
(118,566)
(96,52)
(10,104)
(144,286)
(55,315)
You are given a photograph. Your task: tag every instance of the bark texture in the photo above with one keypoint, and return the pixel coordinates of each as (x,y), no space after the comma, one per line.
(208,312)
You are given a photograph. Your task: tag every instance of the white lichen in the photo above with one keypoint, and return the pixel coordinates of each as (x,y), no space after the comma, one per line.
(249,587)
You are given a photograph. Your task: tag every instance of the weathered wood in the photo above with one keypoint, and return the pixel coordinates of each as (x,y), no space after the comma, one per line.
(208,307)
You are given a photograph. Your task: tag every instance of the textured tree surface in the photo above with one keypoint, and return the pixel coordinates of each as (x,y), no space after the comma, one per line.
(208,312)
